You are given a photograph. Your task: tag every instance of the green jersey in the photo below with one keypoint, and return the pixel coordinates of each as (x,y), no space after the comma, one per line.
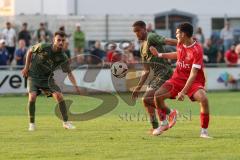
(45,61)
(156,41)
(161,67)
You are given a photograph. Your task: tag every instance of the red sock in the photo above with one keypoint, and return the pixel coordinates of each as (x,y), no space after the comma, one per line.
(204,117)
(162,113)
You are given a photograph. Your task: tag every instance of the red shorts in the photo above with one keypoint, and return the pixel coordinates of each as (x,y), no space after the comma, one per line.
(174,87)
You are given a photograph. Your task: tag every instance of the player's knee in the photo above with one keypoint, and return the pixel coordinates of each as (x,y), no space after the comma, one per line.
(146,101)
(158,96)
(59,97)
(202,98)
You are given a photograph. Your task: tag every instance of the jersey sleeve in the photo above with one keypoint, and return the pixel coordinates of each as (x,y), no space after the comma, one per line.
(155,39)
(198,58)
(37,48)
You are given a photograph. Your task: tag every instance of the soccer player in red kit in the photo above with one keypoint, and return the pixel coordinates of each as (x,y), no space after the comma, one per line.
(187,79)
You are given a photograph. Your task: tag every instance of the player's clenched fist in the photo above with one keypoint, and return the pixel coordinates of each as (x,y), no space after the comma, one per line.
(154,51)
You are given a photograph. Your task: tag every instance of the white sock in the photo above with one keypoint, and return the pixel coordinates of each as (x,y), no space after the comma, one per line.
(164,122)
(204,130)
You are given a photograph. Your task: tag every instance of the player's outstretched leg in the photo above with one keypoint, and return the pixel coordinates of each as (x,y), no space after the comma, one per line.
(160,95)
(201,97)
(32,96)
(148,102)
(62,106)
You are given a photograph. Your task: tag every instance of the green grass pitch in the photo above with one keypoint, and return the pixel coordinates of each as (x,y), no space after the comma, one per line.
(121,134)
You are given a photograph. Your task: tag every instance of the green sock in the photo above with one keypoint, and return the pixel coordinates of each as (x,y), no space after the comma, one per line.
(154,121)
(31,111)
(63,110)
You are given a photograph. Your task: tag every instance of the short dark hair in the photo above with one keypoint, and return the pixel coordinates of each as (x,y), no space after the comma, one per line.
(60,33)
(187,28)
(139,24)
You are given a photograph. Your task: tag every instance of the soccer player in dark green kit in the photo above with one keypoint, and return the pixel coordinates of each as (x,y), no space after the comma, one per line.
(162,71)
(41,61)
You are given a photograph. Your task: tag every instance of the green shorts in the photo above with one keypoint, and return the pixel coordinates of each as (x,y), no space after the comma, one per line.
(42,85)
(160,75)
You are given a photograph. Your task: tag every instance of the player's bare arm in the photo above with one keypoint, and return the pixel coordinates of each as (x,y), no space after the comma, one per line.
(188,84)
(171,42)
(143,78)
(28,61)
(170,55)
(72,78)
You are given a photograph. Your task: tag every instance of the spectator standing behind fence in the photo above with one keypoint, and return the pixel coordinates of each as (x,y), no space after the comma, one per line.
(62,29)
(42,34)
(199,36)
(20,53)
(3,53)
(9,35)
(212,52)
(112,47)
(128,56)
(231,57)
(136,53)
(97,54)
(25,35)
(226,35)
(78,40)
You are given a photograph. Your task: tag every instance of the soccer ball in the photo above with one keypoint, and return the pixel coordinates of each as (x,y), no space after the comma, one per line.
(119,69)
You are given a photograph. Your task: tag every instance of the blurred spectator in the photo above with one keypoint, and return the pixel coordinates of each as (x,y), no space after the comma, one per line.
(216,40)
(43,35)
(20,53)
(117,56)
(212,52)
(136,53)
(25,34)
(62,28)
(199,36)
(3,53)
(97,54)
(78,40)
(66,49)
(9,35)
(150,28)
(111,50)
(231,57)
(226,35)
(128,56)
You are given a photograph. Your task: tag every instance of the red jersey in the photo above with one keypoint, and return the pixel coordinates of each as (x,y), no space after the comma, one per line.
(188,57)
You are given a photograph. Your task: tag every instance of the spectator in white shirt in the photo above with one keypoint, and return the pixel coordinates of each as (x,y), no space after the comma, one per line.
(9,35)
(227,36)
